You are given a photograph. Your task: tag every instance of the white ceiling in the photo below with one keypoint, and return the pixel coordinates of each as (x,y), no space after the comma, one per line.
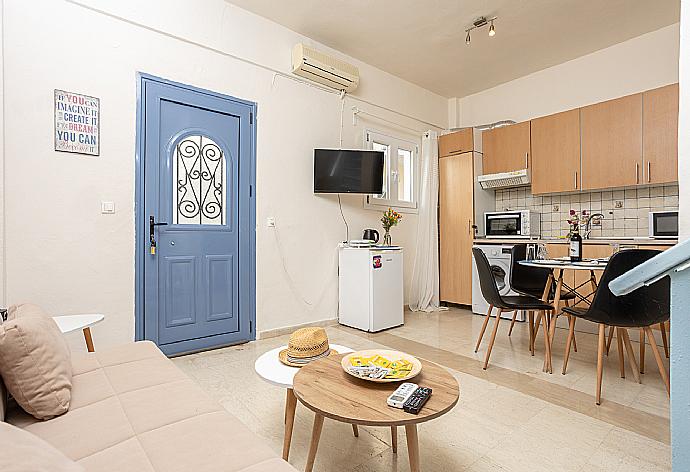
(424,42)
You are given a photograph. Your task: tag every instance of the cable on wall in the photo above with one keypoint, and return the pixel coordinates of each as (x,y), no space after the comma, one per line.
(356,112)
(347,228)
(342,112)
(291,282)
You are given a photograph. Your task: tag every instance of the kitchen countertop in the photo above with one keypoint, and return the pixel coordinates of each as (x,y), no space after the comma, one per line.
(620,241)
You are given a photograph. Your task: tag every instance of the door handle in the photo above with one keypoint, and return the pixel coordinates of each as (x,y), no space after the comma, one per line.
(637,173)
(575,179)
(526,159)
(152,236)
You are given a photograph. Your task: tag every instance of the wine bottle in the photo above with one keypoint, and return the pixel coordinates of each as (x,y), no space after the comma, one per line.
(575,245)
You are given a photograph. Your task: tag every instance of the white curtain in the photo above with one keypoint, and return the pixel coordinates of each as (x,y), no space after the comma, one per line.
(424,294)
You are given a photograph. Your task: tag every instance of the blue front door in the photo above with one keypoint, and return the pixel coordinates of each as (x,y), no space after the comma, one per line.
(196,159)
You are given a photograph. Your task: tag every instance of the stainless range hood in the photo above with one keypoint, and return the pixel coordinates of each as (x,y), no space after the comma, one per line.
(516,178)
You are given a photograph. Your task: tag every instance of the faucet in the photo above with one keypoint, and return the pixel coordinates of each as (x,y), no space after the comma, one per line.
(588,230)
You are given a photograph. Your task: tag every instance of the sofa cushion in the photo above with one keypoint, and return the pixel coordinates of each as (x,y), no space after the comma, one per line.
(20,310)
(35,362)
(22,451)
(134,410)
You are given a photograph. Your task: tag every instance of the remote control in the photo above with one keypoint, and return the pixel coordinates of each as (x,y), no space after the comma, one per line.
(417,400)
(401,394)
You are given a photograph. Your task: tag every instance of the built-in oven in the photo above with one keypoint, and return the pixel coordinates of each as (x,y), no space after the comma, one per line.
(512,224)
(663,224)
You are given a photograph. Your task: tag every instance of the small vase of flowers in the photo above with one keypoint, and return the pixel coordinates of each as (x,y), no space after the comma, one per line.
(389,219)
(576,219)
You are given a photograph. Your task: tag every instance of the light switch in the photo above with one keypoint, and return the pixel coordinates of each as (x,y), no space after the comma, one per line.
(107,207)
(271,222)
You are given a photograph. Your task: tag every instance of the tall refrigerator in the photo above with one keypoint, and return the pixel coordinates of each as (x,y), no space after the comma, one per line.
(370,287)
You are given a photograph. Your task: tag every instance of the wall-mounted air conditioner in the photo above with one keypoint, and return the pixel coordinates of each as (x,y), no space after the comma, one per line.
(314,65)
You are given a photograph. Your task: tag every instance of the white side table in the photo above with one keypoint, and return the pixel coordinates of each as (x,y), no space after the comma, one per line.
(69,323)
(276,373)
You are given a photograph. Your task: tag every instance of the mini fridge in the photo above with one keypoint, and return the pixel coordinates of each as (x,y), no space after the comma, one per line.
(370,287)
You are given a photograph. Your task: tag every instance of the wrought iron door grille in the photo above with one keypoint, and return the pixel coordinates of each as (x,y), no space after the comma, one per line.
(200,187)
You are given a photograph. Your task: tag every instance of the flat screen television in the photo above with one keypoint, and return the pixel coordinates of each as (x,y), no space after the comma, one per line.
(348,171)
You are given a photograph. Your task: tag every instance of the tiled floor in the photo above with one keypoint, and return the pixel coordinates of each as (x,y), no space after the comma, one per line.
(511,417)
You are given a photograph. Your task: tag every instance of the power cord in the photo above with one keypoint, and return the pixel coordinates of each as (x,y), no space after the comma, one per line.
(347,228)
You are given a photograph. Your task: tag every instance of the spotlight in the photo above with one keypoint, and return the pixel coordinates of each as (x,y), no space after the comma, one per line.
(492,30)
(467,38)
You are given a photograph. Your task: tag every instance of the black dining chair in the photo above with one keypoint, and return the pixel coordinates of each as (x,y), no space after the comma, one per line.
(503,303)
(642,308)
(531,281)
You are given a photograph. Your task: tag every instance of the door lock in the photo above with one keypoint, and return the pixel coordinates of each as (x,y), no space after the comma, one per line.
(152,236)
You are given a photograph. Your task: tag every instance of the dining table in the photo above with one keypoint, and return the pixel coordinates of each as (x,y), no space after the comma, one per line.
(583,292)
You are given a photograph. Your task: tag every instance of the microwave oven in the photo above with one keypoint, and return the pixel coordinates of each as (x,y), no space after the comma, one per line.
(512,224)
(663,224)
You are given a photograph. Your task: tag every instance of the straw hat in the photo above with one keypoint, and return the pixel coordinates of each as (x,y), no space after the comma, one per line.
(306,345)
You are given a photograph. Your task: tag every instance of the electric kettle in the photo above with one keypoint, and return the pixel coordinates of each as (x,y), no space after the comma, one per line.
(371,235)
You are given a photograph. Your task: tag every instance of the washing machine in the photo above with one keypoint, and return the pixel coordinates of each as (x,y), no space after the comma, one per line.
(499,259)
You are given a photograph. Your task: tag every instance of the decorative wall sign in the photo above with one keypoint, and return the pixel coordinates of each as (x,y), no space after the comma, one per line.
(77,123)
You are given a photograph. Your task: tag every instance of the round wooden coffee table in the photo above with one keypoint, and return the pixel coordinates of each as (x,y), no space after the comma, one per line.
(327,390)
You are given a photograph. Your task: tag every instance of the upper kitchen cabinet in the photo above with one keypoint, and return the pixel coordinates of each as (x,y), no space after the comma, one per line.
(556,153)
(612,143)
(660,135)
(455,143)
(507,148)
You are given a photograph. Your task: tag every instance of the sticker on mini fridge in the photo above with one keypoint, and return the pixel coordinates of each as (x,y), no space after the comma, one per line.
(77,123)
(377,262)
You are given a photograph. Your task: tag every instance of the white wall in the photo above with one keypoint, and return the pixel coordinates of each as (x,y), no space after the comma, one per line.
(684,125)
(65,255)
(639,64)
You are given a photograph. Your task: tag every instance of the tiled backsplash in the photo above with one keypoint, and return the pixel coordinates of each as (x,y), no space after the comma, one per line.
(625,211)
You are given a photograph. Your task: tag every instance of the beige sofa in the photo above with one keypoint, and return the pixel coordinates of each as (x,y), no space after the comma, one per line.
(132,409)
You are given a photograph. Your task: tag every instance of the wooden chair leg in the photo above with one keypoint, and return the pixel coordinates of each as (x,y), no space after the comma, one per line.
(512,322)
(659,360)
(530,316)
(623,332)
(493,339)
(537,323)
(643,343)
(608,342)
(568,343)
(481,332)
(569,303)
(547,345)
(600,360)
(664,339)
(621,360)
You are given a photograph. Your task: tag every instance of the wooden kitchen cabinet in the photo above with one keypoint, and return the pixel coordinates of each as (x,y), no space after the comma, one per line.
(660,135)
(612,143)
(456,217)
(507,148)
(556,153)
(456,143)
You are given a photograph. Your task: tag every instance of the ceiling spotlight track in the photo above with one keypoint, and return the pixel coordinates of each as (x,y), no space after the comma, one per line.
(480,23)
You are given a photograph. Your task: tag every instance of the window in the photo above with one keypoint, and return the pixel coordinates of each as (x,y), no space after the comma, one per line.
(199,184)
(400,171)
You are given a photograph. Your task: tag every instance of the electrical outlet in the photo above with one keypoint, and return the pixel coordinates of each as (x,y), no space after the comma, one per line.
(555,208)
(271,222)
(107,207)
(618,204)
